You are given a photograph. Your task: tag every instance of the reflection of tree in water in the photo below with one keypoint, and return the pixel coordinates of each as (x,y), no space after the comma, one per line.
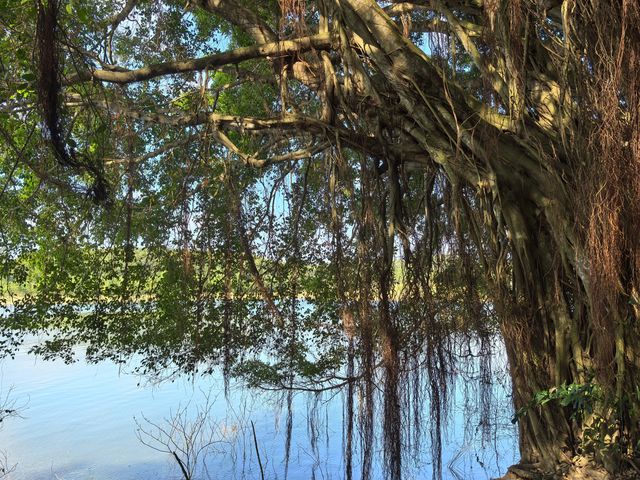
(305,298)
(289,291)
(472,440)
(322,384)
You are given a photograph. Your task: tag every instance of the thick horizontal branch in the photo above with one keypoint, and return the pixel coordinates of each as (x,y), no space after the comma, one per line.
(438,25)
(400,7)
(405,7)
(321,41)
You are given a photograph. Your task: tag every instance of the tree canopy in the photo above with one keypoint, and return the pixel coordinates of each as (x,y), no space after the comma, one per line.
(348,186)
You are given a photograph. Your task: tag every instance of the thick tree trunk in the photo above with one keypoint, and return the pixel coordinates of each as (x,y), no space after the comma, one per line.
(554,342)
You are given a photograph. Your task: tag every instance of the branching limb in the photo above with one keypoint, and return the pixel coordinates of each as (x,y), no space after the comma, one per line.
(115,20)
(321,41)
(237,14)
(491,72)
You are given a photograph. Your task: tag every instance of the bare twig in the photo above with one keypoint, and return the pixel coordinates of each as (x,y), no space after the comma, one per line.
(189,440)
(182,466)
(255,443)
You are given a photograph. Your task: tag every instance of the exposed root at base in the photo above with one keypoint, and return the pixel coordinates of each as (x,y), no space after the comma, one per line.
(580,469)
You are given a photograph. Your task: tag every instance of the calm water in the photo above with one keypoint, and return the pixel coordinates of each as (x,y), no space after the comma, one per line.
(78,422)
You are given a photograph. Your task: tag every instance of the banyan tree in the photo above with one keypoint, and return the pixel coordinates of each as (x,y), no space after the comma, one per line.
(432,167)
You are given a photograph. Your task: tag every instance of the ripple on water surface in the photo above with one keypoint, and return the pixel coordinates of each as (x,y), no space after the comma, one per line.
(78,423)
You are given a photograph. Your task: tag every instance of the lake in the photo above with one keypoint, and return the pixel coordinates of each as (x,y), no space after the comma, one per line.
(81,421)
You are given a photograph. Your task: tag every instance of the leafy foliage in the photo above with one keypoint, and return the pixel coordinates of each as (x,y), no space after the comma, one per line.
(328,192)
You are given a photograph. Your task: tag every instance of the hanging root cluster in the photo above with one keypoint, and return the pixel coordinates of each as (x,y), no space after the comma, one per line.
(49,85)
(601,61)
(609,34)
(592,295)
(293,15)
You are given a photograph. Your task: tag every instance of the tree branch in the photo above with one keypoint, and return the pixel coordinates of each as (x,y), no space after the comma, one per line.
(355,140)
(147,156)
(116,19)
(242,17)
(321,41)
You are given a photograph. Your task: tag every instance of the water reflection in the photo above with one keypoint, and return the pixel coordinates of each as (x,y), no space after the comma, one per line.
(80,423)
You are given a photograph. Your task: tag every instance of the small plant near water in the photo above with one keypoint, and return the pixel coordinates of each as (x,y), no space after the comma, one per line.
(8,409)
(589,409)
(189,436)
(580,398)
